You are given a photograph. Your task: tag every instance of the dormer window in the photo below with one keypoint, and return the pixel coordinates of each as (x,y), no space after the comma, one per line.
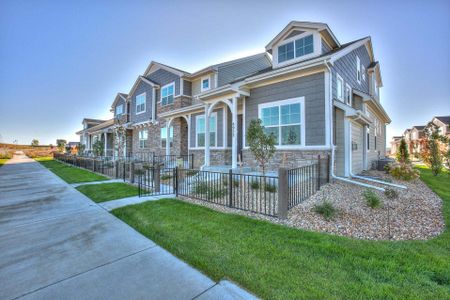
(119,109)
(205,84)
(295,49)
(167,93)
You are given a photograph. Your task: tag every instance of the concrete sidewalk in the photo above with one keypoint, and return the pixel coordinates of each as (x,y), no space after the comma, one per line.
(57,244)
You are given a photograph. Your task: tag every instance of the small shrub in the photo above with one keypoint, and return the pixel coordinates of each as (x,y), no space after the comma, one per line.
(216,192)
(5,153)
(403,171)
(200,187)
(191,172)
(326,209)
(139,172)
(391,194)
(254,185)
(270,188)
(372,199)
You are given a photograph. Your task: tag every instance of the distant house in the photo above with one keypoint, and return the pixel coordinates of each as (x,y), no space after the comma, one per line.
(395,143)
(316,95)
(72,146)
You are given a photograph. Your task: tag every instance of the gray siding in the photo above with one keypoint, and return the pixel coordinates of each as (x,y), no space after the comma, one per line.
(220,124)
(187,88)
(311,87)
(227,74)
(119,102)
(142,88)
(294,33)
(163,77)
(196,84)
(346,68)
(339,160)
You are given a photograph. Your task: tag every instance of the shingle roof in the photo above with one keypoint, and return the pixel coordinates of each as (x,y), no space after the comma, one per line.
(444,119)
(419,127)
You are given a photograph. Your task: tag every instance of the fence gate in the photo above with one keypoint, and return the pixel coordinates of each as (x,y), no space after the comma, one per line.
(155,181)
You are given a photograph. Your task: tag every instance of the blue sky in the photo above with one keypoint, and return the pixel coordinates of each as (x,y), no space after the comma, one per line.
(61,61)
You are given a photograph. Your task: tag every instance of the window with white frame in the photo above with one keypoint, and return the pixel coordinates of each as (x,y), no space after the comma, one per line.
(205,84)
(119,109)
(284,120)
(200,130)
(140,103)
(348,95)
(143,138)
(363,71)
(374,84)
(297,48)
(339,87)
(164,136)
(167,94)
(358,69)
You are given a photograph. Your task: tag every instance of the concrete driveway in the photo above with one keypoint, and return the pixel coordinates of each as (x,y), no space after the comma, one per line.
(57,244)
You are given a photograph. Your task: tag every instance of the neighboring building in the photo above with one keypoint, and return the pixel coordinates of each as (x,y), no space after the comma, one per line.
(395,144)
(417,136)
(316,95)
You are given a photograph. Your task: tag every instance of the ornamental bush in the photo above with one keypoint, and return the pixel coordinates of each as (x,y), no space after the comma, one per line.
(403,171)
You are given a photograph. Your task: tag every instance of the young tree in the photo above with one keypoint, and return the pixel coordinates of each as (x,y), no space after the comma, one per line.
(402,152)
(98,148)
(435,155)
(80,148)
(35,142)
(261,144)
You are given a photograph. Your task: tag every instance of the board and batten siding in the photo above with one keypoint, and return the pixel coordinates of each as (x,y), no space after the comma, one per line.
(311,87)
(220,124)
(346,68)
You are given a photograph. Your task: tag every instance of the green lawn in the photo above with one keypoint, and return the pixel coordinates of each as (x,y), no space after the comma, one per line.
(276,262)
(68,173)
(3,161)
(108,191)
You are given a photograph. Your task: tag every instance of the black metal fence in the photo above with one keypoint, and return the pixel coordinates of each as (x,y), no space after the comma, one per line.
(302,183)
(255,193)
(153,181)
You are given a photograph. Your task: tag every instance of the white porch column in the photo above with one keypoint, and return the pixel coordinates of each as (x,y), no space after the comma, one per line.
(234,131)
(168,138)
(106,143)
(207,144)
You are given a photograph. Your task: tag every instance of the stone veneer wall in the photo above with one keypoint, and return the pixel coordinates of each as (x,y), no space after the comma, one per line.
(218,157)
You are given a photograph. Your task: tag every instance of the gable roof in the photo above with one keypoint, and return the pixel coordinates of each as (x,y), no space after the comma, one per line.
(419,128)
(321,27)
(157,66)
(89,120)
(444,119)
(118,97)
(136,83)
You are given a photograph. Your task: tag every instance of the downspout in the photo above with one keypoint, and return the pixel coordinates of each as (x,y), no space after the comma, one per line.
(332,144)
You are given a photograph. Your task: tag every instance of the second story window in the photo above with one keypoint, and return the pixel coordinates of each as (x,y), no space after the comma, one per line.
(140,103)
(119,109)
(348,95)
(205,84)
(297,48)
(167,93)
(358,69)
(143,138)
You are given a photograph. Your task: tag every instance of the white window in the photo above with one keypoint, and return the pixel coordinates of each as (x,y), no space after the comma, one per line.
(167,93)
(164,136)
(358,69)
(374,85)
(119,109)
(339,87)
(284,120)
(363,73)
(200,130)
(348,95)
(205,84)
(297,48)
(143,138)
(140,103)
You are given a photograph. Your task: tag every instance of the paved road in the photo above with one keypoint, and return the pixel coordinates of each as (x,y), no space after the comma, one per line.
(57,244)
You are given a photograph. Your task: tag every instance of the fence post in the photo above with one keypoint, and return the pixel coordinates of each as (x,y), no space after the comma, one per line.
(283,193)
(157,178)
(132,172)
(124,173)
(192,160)
(318,172)
(230,188)
(116,167)
(175,178)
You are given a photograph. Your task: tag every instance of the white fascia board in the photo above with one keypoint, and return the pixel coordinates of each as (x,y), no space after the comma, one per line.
(347,50)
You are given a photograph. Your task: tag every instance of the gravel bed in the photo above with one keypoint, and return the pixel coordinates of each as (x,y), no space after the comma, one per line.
(415,215)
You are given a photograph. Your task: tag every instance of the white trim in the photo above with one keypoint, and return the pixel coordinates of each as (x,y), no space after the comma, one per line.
(358,69)
(225,126)
(341,98)
(301,101)
(213,114)
(162,88)
(136,105)
(316,49)
(208,77)
(164,67)
(350,94)
(244,133)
